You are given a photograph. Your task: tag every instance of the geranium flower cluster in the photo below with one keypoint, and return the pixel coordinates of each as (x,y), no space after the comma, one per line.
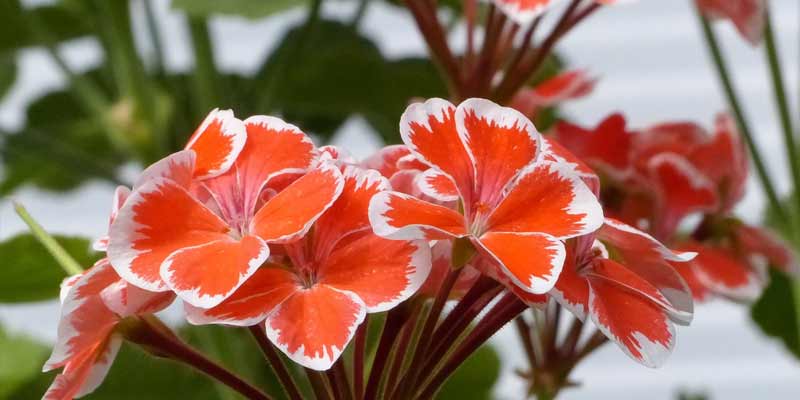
(658,177)
(252,224)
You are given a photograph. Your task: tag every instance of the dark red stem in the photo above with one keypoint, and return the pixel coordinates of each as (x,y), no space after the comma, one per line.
(275,361)
(156,341)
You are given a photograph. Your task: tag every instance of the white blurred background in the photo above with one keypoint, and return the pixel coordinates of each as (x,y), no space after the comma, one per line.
(653,67)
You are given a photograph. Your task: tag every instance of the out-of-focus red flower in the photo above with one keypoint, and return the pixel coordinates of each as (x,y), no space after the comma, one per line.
(524,11)
(558,89)
(197,224)
(490,158)
(312,299)
(626,286)
(747,15)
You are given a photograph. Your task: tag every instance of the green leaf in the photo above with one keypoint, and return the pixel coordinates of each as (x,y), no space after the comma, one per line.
(252,9)
(21,362)
(474,379)
(28,273)
(776,312)
(235,349)
(8,73)
(60,148)
(62,21)
(319,76)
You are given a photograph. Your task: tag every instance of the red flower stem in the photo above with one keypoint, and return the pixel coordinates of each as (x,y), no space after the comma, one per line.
(530,65)
(401,350)
(434,36)
(470,10)
(340,385)
(394,321)
(448,334)
(276,363)
(319,384)
(504,311)
(427,330)
(476,76)
(524,47)
(157,342)
(553,318)
(358,358)
(571,339)
(524,331)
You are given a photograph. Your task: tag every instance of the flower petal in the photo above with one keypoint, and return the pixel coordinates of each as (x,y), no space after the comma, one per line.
(121,194)
(639,327)
(396,215)
(572,290)
(725,274)
(436,185)
(85,320)
(314,325)
(548,197)
(385,160)
(158,219)
(681,189)
(533,261)
(562,87)
(645,256)
(291,212)
(747,15)
(382,272)
(178,167)
(350,212)
(125,299)
(501,142)
(252,302)
(273,149)
(760,242)
(429,131)
(84,374)
(207,274)
(523,12)
(606,147)
(217,142)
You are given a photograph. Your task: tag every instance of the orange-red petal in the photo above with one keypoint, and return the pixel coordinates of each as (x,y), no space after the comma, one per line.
(217,142)
(533,262)
(207,274)
(396,215)
(290,214)
(314,325)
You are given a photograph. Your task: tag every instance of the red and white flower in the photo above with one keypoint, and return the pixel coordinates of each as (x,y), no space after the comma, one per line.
(625,285)
(312,300)
(747,15)
(524,11)
(92,305)
(517,207)
(556,90)
(198,223)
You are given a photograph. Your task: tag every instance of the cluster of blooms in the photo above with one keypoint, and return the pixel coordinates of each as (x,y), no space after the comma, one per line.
(655,178)
(251,224)
(746,15)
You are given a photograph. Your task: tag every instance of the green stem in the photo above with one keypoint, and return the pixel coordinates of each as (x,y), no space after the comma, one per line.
(155,38)
(744,128)
(783,108)
(63,258)
(205,70)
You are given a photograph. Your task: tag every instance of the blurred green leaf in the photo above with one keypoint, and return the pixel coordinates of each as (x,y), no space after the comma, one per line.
(21,362)
(776,311)
(28,273)
(61,20)
(8,73)
(237,350)
(59,149)
(319,76)
(253,9)
(474,379)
